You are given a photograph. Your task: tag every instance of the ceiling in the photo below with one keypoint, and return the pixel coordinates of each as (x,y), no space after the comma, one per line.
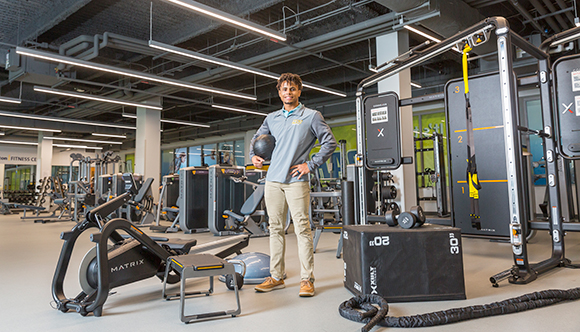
(330,43)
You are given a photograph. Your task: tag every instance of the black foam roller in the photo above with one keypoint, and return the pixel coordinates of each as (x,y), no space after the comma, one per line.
(347,202)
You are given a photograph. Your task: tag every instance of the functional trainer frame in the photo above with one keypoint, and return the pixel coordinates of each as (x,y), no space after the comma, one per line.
(522,272)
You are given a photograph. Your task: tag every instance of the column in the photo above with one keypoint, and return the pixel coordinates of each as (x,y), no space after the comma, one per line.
(44,159)
(247,141)
(148,145)
(2,181)
(389,47)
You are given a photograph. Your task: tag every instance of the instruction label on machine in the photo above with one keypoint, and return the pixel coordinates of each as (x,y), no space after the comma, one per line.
(380,114)
(575,82)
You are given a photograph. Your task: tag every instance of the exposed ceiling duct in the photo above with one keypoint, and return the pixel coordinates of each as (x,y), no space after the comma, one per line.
(453,15)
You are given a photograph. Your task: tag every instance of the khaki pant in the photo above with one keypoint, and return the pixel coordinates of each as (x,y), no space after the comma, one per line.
(296,196)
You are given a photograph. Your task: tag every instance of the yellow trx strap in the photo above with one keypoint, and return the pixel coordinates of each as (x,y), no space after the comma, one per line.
(472,178)
(466,49)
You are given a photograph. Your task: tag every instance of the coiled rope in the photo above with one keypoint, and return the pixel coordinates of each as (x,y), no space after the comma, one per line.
(364,309)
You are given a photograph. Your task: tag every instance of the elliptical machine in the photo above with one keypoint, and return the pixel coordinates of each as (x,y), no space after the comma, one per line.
(130,258)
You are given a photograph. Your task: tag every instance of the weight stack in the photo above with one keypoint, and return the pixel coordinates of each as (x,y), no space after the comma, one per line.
(404,265)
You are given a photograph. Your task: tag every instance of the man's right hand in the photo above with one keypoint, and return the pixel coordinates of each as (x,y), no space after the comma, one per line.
(257,161)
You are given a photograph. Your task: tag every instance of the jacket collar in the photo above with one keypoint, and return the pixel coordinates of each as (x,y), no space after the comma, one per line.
(299,111)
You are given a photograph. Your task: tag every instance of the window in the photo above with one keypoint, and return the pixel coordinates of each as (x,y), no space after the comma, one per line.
(18,177)
(180,159)
(63,173)
(226,153)
(239,153)
(166,162)
(209,154)
(194,156)
(129,163)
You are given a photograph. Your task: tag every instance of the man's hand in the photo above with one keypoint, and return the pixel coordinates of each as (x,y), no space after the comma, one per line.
(299,170)
(257,161)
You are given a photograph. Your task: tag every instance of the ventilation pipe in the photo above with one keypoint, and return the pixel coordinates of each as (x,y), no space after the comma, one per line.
(454,15)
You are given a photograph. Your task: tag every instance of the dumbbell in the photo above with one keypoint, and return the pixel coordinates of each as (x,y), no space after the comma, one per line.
(414,218)
(391,217)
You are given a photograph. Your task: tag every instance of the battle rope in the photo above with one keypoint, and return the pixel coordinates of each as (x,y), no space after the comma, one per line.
(362,309)
(472,179)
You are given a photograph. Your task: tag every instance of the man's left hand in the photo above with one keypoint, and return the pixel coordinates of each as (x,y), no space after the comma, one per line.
(299,170)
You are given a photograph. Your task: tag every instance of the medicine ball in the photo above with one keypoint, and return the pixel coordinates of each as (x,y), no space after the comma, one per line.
(264,145)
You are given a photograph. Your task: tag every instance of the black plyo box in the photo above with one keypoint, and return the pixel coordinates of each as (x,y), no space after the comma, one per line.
(404,265)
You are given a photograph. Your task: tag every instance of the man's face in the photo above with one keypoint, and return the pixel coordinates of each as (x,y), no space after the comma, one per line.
(289,94)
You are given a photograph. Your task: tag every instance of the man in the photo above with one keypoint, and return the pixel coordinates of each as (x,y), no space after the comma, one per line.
(296,129)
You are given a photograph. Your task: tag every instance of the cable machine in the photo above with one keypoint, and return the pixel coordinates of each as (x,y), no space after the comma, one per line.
(523,271)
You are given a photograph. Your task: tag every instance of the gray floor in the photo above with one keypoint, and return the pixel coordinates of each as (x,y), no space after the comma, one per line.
(29,253)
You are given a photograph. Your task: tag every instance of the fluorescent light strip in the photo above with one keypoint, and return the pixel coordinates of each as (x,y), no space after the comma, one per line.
(336,93)
(238,110)
(17,142)
(2,133)
(109,135)
(10,100)
(63,120)
(97,98)
(416,85)
(421,33)
(80,140)
(229,64)
(220,15)
(125,72)
(186,123)
(210,59)
(30,128)
(77,146)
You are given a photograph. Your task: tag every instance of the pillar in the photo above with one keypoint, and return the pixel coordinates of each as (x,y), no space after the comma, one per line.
(2,170)
(148,145)
(248,135)
(44,159)
(389,46)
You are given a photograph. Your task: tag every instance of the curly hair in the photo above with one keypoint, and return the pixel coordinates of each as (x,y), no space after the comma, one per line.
(290,78)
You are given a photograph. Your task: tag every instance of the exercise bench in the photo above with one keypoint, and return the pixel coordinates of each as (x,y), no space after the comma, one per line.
(249,209)
(196,266)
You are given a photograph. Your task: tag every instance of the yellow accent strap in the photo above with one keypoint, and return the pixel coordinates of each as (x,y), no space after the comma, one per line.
(481,128)
(485,181)
(210,267)
(473,192)
(464,62)
(176,262)
(136,229)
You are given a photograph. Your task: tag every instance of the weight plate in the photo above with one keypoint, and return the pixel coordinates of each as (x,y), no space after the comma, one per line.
(395,207)
(375,192)
(389,192)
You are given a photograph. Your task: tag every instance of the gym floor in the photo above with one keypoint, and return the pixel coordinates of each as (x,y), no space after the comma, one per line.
(29,253)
